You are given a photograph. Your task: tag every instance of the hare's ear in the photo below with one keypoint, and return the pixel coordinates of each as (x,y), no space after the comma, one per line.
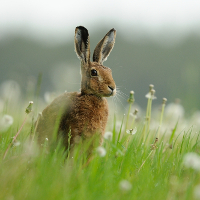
(104,47)
(82,44)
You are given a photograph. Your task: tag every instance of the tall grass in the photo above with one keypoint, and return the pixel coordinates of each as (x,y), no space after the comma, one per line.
(145,165)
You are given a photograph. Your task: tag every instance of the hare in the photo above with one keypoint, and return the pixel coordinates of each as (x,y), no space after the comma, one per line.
(82,113)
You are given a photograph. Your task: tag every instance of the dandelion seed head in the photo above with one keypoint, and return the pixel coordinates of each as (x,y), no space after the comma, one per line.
(101,151)
(174,111)
(108,135)
(192,160)
(10,90)
(5,122)
(150,95)
(31,149)
(49,97)
(125,185)
(16,144)
(131,131)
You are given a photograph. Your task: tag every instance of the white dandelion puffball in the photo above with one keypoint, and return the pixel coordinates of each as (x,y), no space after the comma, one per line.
(5,122)
(125,185)
(49,97)
(192,160)
(150,96)
(174,111)
(108,135)
(132,131)
(101,151)
(10,90)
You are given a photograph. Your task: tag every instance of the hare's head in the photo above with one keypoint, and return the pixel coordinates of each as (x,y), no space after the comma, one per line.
(96,78)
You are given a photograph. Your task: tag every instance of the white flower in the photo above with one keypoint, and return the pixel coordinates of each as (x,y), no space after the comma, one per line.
(196,192)
(125,185)
(108,135)
(101,151)
(131,131)
(192,160)
(5,122)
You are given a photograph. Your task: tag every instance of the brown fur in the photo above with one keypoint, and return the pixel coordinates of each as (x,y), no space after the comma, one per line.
(85,113)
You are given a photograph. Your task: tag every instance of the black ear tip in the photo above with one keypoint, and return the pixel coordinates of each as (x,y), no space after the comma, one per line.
(82,28)
(112,30)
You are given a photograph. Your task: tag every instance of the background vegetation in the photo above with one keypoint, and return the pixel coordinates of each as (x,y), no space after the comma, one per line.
(136,161)
(172,67)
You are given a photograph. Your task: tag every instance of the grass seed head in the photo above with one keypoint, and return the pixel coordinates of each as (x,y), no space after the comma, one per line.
(154,146)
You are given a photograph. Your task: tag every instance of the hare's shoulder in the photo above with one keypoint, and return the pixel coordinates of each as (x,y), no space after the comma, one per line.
(60,104)
(52,114)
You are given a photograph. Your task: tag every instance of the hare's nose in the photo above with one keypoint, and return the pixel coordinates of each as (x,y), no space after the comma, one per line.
(111,88)
(113,91)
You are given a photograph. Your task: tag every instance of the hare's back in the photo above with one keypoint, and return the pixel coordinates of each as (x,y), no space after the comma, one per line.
(48,123)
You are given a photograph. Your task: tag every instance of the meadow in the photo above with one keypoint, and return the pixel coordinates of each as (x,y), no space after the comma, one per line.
(152,154)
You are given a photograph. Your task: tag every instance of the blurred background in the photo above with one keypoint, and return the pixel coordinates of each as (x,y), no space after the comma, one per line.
(158,42)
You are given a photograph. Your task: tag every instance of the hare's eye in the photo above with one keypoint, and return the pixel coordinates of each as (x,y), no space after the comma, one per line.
(93,72)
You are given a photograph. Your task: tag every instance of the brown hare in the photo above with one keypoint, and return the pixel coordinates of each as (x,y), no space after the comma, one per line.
(82,113)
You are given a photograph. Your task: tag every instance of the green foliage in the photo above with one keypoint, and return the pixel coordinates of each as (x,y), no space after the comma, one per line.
(144,170)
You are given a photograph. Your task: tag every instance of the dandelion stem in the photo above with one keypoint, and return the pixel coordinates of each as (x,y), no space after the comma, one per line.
(127,142)
(27,111)
(134,117)
(15,137)
(130,101)
(129,110)
(149,115)
(145,161)
(161,116)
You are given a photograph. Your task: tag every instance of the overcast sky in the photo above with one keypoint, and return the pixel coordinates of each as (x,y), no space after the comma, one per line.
(56,18)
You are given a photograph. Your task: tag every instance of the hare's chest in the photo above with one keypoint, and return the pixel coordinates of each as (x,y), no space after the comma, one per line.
(90,115)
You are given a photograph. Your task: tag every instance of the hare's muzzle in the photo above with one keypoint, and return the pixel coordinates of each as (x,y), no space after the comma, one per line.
(112,90)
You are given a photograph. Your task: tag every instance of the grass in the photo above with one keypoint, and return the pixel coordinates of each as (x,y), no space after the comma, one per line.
(148,168)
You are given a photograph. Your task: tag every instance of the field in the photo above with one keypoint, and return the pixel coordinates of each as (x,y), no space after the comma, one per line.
(154,156)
